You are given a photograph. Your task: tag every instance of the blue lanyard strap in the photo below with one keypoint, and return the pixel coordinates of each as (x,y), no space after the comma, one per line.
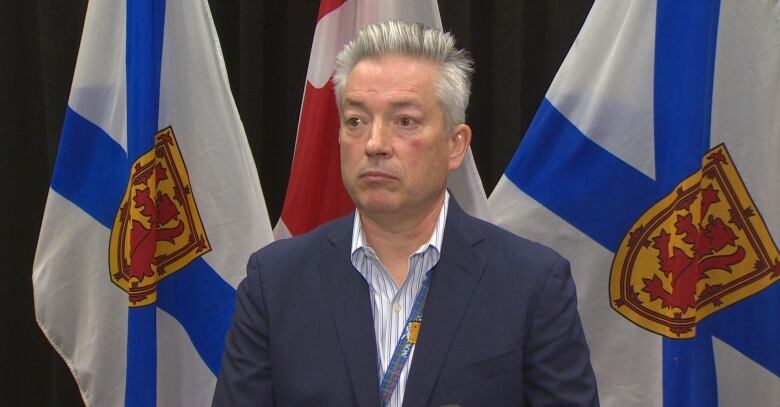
(405,343)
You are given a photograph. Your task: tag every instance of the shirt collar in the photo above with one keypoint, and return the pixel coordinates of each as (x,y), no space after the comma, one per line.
(437,236)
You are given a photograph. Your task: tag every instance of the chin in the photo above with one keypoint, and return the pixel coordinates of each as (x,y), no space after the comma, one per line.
(378,207)
(377,203)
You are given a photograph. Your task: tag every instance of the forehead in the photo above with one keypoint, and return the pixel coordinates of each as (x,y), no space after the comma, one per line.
(392,75)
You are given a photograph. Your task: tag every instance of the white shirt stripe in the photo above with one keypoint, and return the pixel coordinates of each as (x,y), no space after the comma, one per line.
(390,304)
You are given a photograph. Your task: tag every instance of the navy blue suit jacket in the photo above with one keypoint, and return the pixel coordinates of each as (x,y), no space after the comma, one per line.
(501,326)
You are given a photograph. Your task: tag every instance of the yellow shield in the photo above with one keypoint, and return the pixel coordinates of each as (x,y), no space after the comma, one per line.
(700,249)
(157,229)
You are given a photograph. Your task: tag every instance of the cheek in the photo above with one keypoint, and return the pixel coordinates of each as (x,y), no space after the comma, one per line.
(347,150)
(427,151)
(415,149)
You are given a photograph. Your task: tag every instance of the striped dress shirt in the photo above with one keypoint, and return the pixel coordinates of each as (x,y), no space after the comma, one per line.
(390,304)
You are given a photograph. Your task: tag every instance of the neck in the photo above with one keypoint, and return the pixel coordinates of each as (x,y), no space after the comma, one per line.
(395,240)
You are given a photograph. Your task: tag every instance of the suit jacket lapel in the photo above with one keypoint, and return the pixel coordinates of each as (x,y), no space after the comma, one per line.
(453,281)
(348,297)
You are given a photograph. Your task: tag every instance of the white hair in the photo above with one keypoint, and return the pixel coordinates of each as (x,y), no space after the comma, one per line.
(413,40)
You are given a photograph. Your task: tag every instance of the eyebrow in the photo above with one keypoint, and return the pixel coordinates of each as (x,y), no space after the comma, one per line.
(396,104)
(403,104)
(354,103)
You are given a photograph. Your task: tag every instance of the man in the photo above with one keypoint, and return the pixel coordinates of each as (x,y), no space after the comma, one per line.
(410,300)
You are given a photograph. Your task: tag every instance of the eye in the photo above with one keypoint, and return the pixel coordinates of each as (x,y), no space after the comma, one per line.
(406,121)
(353,121)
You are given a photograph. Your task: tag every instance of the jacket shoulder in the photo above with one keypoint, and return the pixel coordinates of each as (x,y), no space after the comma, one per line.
(503,244)
(303,248)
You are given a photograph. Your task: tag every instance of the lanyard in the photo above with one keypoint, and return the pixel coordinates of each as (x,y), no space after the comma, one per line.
(405,343)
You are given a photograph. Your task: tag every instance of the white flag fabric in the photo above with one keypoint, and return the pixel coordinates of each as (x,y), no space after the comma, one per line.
(652,165)
(315,175)
(153,211)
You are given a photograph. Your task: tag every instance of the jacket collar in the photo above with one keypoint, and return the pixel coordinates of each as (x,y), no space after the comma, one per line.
(453,282)
(348,297)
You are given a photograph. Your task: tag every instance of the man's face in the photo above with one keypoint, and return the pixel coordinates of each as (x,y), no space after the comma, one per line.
(395,150)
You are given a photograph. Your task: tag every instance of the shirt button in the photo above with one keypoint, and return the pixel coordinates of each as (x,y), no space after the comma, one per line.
(397,308)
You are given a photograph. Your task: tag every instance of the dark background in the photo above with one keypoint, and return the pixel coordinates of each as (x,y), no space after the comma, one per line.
(517,45)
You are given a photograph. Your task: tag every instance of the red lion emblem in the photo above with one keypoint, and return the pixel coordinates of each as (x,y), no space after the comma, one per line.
(158,229)
(699,249)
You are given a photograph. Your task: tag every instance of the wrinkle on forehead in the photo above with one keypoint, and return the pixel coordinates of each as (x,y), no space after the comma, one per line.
(398,80)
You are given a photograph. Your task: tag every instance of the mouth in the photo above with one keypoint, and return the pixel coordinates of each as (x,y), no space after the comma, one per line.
(376,176)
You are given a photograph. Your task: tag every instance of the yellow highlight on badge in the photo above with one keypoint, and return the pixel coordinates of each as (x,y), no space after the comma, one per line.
(698,250)
(414,330)
(157,229)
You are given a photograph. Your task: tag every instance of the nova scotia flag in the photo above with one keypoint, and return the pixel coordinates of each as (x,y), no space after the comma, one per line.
(154,208)
(652,164)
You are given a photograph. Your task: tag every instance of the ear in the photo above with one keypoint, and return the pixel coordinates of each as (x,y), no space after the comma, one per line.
(460,139)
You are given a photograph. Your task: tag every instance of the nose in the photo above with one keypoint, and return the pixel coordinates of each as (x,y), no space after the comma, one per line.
(378,143)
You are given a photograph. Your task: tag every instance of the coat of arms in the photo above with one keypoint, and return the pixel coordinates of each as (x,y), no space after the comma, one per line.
(157,229)
(698,250)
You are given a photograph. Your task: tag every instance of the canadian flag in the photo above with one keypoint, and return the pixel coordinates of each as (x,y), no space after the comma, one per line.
(315,192)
